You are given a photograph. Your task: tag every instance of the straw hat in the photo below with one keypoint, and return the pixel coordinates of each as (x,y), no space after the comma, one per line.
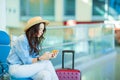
(35,20)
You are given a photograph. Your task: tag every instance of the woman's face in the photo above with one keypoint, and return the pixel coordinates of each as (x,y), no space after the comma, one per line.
(41,28)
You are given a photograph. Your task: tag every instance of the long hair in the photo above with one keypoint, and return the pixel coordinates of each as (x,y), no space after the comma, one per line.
(34,41)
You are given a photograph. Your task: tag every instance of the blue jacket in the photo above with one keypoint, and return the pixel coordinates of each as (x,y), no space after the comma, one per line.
(19,53)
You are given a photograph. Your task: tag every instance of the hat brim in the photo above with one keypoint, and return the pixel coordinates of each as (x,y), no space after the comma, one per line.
(36,22)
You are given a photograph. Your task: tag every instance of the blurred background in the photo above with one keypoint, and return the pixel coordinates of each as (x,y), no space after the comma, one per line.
(90,27)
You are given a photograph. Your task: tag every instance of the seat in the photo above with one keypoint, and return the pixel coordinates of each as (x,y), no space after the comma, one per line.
(12,78)
(4,51)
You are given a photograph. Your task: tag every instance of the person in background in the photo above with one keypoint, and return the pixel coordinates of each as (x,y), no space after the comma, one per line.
(24,60)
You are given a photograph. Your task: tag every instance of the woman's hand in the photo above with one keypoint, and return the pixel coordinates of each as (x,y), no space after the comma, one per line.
(46,56)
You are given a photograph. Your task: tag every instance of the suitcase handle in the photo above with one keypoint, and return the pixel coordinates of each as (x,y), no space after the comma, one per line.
(68,51)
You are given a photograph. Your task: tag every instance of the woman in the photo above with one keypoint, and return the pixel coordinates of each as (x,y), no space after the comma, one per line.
(24,58)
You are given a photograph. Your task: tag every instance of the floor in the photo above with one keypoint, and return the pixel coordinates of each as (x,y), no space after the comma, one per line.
(104,68)
(117,69)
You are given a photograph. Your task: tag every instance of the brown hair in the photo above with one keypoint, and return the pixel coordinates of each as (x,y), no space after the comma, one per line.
(34,41)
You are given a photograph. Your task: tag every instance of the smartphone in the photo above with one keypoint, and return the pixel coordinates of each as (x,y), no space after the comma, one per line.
(54,53)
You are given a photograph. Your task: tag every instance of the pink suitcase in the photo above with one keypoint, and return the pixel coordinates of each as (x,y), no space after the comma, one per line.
(67,73)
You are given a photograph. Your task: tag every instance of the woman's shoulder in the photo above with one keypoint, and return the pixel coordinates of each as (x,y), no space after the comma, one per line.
(22,38)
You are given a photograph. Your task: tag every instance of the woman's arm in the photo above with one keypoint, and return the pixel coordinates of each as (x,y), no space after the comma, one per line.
(45,56)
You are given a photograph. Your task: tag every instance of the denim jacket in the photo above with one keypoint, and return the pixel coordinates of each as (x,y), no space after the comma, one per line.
(19,53)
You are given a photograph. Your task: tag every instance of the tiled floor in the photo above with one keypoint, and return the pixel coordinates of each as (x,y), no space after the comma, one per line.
(117,68)
(103,68)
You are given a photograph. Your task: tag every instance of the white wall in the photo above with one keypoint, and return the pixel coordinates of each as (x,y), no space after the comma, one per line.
(83,12)
(3,15)
(13,13)
(59,10)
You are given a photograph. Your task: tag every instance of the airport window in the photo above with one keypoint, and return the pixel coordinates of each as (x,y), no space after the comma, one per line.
(106,9)
(99,9)
(114,8)
(30,8)
(69,9)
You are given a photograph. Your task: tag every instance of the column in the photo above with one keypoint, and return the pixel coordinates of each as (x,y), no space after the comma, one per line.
(59,10)
(83,10)
(3,15)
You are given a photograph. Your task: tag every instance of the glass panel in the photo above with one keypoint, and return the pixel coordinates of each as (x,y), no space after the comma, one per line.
(102,38)
(54,36)
(108,36)
(87,40)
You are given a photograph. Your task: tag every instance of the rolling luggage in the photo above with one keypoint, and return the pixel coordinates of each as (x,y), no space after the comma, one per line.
(68,73)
